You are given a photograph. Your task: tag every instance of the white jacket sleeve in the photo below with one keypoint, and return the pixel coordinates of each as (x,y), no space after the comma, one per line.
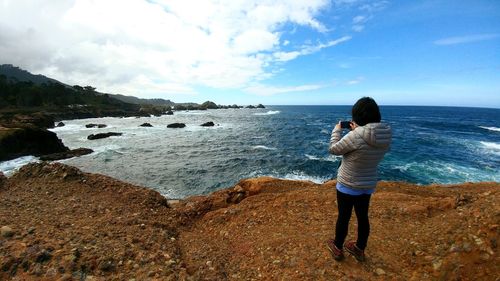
(339,145)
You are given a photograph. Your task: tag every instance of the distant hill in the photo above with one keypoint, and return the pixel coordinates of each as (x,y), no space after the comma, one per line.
(22,92)
(16,74)
(136,100)
(22,89)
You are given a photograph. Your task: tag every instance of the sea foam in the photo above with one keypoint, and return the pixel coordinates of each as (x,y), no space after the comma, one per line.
(263,147)
(271,112)
(491,145)
(495,129)
(297,175)
(11,166)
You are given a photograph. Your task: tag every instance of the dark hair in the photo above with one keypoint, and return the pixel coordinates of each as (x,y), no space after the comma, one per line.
(365,111)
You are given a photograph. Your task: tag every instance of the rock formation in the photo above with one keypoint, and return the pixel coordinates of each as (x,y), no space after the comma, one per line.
(103,135)
(17,142)
(96,126)
(67,154)
(208,124)
(176,125)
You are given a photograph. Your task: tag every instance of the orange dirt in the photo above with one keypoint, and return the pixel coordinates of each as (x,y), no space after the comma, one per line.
(60,223)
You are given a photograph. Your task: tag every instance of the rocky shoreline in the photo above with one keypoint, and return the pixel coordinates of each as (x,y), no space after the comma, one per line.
(58,223)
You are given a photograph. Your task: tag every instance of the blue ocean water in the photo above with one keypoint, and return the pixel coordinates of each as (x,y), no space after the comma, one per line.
(430,145)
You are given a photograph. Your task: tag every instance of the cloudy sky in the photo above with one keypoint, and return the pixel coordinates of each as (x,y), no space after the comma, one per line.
(434,52)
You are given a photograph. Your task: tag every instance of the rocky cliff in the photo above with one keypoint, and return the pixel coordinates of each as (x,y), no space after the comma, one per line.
(60,223)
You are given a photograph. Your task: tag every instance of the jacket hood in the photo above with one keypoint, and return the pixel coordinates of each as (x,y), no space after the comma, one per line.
(375,134)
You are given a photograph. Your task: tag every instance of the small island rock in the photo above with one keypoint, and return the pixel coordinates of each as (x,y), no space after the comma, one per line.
(208,124)
(145,125)
(96,126)
(176,125)
(103,135)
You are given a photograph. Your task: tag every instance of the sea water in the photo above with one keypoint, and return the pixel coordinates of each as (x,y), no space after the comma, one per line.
(430,145)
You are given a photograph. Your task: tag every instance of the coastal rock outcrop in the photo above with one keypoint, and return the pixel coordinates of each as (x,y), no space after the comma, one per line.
(103,135)
(67,154)
(60,124)
(38,120)
(17,142)
(170,112)
(145,125)
(208,124)
(96,126)
(176,125)
(259,229)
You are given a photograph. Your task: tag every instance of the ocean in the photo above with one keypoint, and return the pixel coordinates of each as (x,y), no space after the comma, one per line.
(430,145)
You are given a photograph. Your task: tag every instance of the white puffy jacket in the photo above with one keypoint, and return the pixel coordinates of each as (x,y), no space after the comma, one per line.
(362,149)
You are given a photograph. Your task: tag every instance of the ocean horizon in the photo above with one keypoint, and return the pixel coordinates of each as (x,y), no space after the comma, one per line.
(431,144)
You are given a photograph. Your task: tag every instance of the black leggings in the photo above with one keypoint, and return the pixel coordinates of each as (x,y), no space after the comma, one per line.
(345,202)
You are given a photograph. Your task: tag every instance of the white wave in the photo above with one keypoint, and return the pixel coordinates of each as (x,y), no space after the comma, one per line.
(67,127)
(443,172)
(312,157)
(263,147)
(491,145)
(329,158)
(11,166)
(110,147)
(495,129)
(271,112)
(294,175)
(302,176)
(198,112)
(333,158)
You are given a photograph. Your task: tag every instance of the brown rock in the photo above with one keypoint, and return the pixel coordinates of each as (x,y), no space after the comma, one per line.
(6,231)
(67,154)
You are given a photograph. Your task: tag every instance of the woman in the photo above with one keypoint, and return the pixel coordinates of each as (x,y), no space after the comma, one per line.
(362,149)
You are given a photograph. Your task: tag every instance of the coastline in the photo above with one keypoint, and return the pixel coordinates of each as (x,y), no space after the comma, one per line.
(69,225)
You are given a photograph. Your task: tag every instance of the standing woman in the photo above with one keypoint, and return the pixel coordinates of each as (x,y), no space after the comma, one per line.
(362,149)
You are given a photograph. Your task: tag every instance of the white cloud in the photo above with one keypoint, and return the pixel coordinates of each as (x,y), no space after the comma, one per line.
(374,6)
(265,90)
(466,39)
(359,19)
(286,56)
(358,27)
(149,48)
(355,81)
(358,22)
(308,49)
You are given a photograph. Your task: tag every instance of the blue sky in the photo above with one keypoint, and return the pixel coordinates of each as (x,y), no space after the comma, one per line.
(263,51)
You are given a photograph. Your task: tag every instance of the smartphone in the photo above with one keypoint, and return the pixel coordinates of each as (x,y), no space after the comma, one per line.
(345,124)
